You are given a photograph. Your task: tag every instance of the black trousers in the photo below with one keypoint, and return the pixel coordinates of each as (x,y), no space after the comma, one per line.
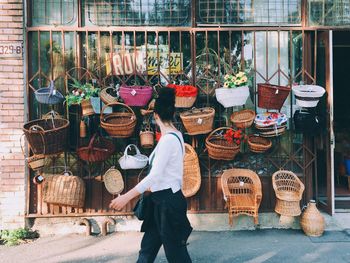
(168,226)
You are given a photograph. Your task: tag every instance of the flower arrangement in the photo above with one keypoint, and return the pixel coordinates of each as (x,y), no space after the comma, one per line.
(234,81)
(81,92)
(234,136)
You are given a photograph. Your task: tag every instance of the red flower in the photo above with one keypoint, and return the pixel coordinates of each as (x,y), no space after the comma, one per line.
(238,142)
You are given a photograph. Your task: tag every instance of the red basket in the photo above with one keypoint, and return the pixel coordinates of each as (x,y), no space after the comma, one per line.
(272,96)
(185,95)
(136,95)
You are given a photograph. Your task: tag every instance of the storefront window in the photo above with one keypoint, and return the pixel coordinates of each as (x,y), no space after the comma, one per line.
(135,13)
(329,12)
(53,12)
(232,12)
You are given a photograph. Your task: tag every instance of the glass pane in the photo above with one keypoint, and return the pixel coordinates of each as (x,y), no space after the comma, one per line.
(132,13)
(329,12)
(53,12)
(249,12)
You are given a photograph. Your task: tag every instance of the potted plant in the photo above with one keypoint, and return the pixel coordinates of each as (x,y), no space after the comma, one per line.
(235,91)
(81,94)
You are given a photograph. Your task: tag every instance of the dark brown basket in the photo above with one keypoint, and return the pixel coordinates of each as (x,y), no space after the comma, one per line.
(118,124)
(54,132)
(218,147)
(258,144)
(272,96)
(98,150)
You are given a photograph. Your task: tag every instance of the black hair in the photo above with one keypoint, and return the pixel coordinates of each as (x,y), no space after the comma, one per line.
(165,104)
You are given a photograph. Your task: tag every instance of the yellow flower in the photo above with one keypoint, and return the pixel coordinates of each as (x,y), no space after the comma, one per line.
(244,79)
(226,77)
(226,85)
(238,82)
(240,74)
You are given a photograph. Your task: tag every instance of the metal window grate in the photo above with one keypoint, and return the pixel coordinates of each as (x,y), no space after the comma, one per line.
(249,12)
(53,12)
(329,13)
(134,13)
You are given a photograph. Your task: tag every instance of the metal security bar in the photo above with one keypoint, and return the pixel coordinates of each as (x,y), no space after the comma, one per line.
(134,13)
(262,12)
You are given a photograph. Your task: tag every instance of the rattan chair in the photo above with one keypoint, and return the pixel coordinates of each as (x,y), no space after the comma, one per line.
(242,193)
(289,191)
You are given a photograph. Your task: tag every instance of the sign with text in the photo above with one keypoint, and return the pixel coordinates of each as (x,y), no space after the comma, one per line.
(129,61)
(11,49)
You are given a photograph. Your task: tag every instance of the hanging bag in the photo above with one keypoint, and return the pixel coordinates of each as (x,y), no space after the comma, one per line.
(137,161)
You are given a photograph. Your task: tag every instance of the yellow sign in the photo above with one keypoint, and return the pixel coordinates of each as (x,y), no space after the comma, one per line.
(128,62)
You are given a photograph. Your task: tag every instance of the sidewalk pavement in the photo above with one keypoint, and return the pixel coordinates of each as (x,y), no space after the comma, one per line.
(227,246)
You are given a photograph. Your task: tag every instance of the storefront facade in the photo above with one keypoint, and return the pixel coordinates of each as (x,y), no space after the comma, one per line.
(194,42)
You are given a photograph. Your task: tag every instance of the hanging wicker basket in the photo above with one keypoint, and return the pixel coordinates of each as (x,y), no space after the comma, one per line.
(272,96)
(54,133)
(118,124)
(147,137)
(198,121)
(113,181)
(64,190)
(86,108)
(192,174)
(49,95)
(258,144)
(136,95)
(185,95)
(36,161)
(243,119)
(109,95)
(218,147)
(99,149)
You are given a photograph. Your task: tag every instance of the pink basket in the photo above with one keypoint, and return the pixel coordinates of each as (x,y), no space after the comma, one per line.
(136,95)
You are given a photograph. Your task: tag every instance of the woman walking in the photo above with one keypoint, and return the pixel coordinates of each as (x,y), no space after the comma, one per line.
(167,224)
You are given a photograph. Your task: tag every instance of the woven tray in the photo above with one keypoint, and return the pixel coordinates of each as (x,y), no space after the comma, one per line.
(113,181)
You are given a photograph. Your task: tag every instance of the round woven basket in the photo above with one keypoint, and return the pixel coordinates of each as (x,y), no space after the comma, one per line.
(243,119)
(184,102)
(118,124)
(198,121)
(147,138)
(98,150)
(218,147)
(109,95)
(36,162)
(113,181)
(192,173)
(258,144)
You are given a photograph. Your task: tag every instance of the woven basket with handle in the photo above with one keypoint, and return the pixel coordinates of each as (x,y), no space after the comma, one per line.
(109,95)
(98,150)
(118,124)
(243,119)
(258,144)
(198,121)
(64,189)
(192,173)
(218,147)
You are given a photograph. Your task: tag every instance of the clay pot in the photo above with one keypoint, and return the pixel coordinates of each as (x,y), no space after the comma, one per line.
(312,221)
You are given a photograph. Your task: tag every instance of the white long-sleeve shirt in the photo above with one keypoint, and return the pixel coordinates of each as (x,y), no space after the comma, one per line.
(167,165)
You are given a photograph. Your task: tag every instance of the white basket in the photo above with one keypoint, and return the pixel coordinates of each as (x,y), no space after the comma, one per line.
(308,96)
(137,161)
(229,97)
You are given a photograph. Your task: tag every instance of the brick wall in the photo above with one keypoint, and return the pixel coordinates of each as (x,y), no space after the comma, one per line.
(12,169)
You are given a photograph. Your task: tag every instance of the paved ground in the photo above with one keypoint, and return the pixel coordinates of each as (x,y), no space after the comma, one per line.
(235,246)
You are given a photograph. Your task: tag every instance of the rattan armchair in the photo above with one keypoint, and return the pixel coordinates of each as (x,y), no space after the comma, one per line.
(242,193)
(289,191)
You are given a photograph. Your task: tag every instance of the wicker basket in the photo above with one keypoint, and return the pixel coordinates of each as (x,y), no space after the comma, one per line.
(218,147)
(258,144)
(53,131)
(113,181)
(64,190)
(243,119)
(86,108)
(272,96)
(192,174)
(147,138)
(198,121)
(118,124)
(49,95)
(36,161)
(185,95)
(136,95)
(109,95)
(98,150)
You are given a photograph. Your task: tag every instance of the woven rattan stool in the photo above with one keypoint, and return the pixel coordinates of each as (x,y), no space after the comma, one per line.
(289,190)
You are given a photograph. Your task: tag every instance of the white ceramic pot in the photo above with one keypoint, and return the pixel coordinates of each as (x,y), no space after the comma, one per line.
(308,96)
(229,97)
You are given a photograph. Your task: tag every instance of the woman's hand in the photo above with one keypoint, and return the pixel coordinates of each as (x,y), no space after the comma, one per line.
(119,202)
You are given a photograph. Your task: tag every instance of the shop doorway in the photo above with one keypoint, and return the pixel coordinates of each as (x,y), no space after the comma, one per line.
(341,123)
